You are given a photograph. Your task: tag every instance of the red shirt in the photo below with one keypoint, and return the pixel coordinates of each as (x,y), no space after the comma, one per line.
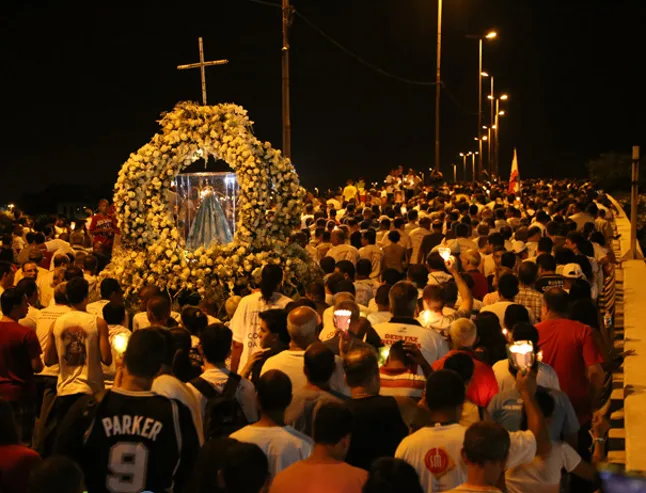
(18,346)
(480,284)
(16,462)
(483,386)
(569,348)
(103,228)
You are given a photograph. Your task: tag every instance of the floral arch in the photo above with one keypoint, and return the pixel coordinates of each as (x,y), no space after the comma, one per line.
(270,198)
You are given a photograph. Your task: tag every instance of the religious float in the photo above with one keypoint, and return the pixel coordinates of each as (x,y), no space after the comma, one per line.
(207,232)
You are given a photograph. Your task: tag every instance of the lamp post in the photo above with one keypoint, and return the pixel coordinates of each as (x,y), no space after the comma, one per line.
(437,85)
(287,121)
(473,162)
(464,164)
(496,128)
(489,35)
(491,124)
(488,139)
(455,173)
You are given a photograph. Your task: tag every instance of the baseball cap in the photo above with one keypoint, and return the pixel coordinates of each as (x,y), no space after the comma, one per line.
(573,271)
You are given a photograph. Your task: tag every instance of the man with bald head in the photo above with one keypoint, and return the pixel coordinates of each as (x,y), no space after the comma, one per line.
(302,323)
(340,249)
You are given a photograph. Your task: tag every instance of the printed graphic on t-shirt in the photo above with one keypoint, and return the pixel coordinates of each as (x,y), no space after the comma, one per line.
(252,334)
(390,338)
(438,462)
(74,343)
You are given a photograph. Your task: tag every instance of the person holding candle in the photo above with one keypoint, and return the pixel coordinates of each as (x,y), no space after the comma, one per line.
(434,316)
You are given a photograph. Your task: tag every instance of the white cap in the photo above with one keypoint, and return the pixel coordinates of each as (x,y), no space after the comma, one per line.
(573,271)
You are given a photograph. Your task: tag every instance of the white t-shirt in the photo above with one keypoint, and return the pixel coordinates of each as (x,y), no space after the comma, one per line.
(77,341)
(59,246)
(93,287)
(543,475)
(96,308)
(31,319)
(140,320)
(344,252)
(432,345)
(416,237)
(245,393)
(435,453)
(374,254)
(46,318)
(282,445)
(489,265)
(173,388)
(546,376)
(379,317)
(246,322)
(292,363)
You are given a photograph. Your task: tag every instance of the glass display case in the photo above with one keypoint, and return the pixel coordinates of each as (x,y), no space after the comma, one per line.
(205,208)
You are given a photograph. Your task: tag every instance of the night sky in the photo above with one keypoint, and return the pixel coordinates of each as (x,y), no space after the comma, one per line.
(83,83)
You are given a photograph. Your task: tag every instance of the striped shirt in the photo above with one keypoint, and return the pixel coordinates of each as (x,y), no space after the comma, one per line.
(401,382)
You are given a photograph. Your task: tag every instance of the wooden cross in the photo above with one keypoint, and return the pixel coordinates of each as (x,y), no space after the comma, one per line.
(202,64)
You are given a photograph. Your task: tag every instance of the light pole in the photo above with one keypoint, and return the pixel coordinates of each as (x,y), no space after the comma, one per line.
(464,164)
(488,139)
(287,121)
(491,124)
(489,35)
(496,128)
(455,173)
(437,85)
(473,163)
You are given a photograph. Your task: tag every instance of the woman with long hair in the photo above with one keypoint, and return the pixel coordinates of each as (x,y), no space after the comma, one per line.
(245,324)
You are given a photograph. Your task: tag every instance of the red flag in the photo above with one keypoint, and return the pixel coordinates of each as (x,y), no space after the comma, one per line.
(514,177)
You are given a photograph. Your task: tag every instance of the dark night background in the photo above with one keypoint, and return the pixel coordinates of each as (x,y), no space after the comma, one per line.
(83,83)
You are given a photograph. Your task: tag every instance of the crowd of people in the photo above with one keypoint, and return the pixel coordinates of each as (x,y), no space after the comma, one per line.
(459,339)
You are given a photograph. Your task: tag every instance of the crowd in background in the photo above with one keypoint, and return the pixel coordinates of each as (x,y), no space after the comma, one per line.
(393,373)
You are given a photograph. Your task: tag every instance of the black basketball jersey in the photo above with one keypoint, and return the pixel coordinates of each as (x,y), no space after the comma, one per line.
(136,442)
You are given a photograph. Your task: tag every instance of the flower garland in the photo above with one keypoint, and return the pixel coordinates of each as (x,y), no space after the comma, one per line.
(270,202)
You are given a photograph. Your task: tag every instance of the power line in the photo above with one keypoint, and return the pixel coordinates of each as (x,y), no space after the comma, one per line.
(364,62)
(359,58)
(348,52)
(455,101)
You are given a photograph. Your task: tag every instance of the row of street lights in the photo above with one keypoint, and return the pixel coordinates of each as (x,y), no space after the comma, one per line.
(491,139)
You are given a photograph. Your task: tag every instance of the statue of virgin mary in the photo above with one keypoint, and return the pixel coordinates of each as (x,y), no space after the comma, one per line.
(210,224)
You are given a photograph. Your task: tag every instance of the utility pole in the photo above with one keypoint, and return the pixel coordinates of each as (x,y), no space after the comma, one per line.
(480,105)
(287,121)
(492,124)
(437,85)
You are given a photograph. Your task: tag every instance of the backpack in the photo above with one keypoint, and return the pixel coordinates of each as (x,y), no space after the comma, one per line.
(223,414)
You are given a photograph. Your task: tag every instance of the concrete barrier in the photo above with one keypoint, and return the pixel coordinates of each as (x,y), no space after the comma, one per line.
(634,308)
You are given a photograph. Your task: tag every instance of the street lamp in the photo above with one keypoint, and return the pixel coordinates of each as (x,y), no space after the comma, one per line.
(496,127)
(489,35)
(473,164)
(438,85)
(464,164)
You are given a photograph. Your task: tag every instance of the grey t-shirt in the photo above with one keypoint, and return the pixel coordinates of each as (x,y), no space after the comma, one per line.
(300,413)
(506,409)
